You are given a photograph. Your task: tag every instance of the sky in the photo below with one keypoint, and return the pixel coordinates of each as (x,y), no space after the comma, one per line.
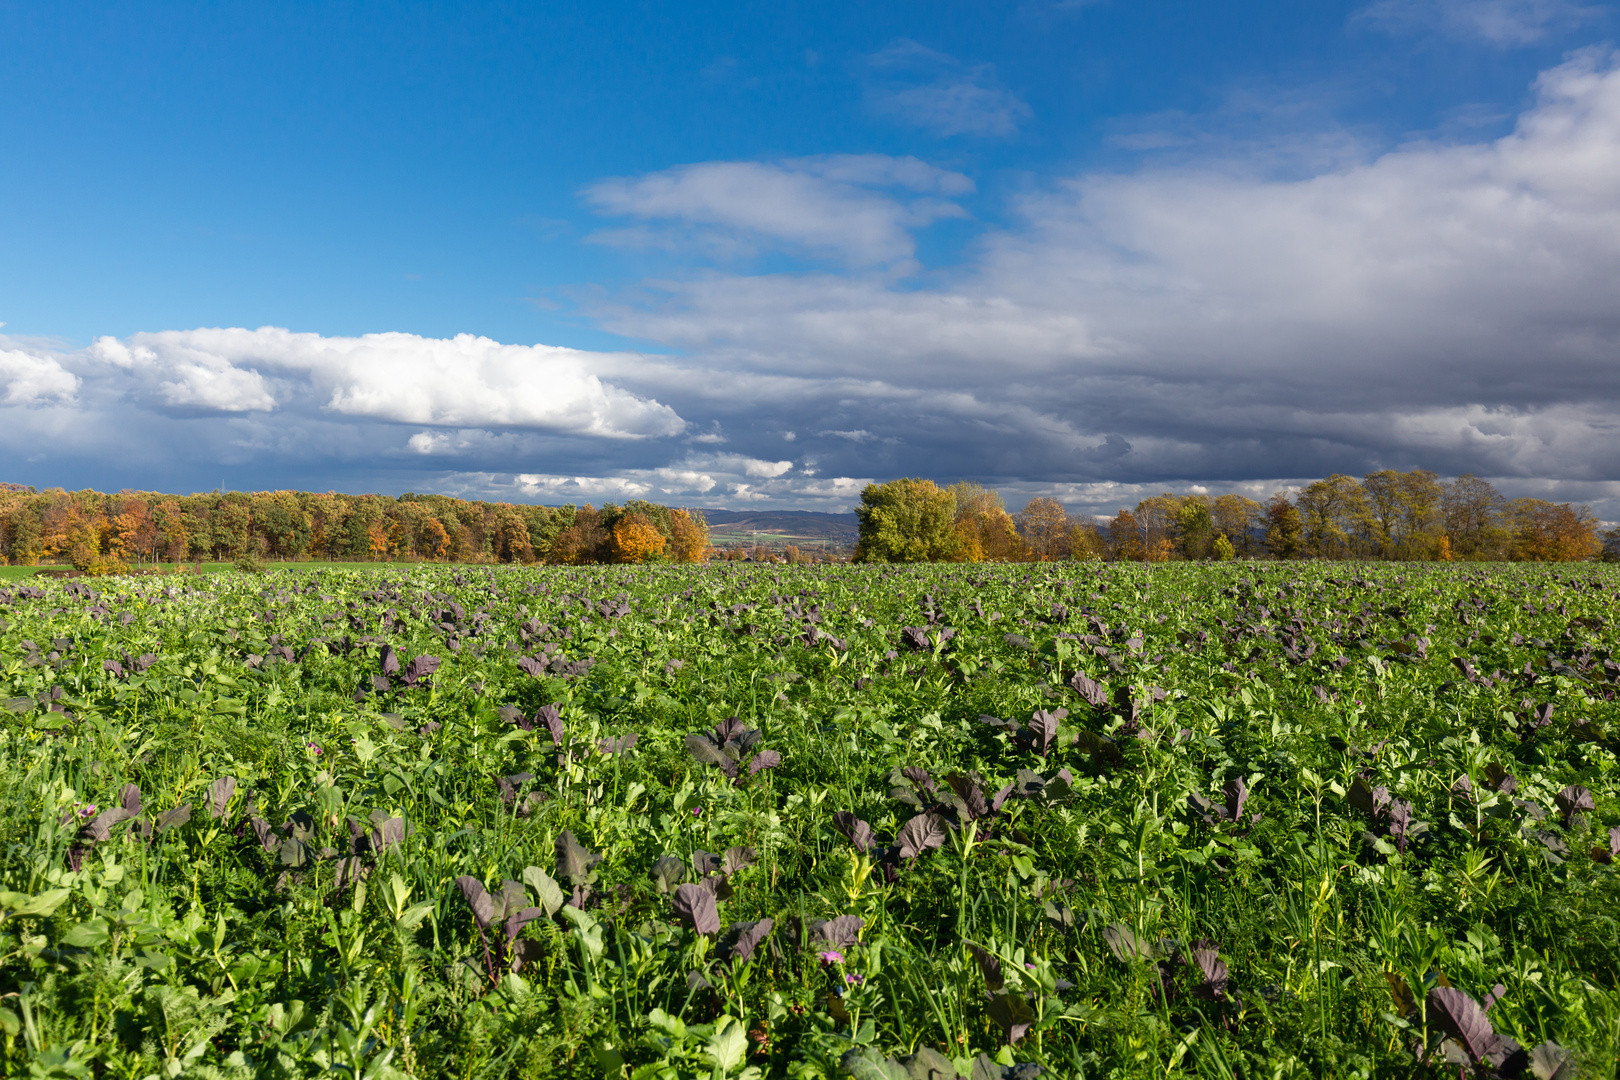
(734,255)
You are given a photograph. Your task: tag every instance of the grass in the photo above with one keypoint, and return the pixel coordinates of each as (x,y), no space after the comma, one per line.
(1308,799)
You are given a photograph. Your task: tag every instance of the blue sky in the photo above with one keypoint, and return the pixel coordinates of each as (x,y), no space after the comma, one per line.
(722,254)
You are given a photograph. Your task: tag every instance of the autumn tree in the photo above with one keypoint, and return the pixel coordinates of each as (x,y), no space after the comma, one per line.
(1086,542)
(985,532)
(581,541)
(133,534)
(23,528)
(688,536)
(170,522)
(1156,522)
(1241,520)
(1044,526)
(1474,513)
(1124,537)
(1336,516)
(432,539)
(73,529)
(279,516)
(636,539)
(1553,532)
(512,538)
(906,520)
(1404,511)
(1284,530)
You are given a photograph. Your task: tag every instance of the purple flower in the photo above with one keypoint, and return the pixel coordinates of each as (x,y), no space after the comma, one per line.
(314,749)
(831,956)
(854,980)
(696,810)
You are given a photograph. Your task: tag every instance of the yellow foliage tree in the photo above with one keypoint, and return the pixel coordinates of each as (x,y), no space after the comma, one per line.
(984,531)
(688,536)
(636,539)
(1086,543)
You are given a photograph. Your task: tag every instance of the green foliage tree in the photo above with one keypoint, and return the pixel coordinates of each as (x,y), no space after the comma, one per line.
(1195,528)
(906,520)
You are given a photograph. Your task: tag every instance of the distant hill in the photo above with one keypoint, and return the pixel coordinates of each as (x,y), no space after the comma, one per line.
(731,525)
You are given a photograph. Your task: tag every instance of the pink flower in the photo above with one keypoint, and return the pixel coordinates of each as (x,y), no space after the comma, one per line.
(88,811)
(696,810)
(831,956)
(854,980)
(314,749)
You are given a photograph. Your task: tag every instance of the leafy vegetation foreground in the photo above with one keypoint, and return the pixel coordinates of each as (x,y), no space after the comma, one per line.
(664,822)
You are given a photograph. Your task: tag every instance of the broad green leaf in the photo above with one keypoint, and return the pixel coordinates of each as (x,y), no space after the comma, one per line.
(728,1047)
(88,935)
(546,888)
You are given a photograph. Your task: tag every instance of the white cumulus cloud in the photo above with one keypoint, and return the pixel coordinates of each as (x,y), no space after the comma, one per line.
(29,378)
(463,381)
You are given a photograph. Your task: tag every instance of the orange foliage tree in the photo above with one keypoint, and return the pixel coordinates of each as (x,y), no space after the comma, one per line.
(1553,532)
(636,539)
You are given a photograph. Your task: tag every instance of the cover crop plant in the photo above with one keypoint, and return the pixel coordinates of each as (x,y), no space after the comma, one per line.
(664,821)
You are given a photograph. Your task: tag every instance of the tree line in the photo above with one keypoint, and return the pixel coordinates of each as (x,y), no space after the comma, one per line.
(100,532)
(1384,515)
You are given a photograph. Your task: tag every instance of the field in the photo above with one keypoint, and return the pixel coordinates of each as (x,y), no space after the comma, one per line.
(28,574)
(802,529)
(1258,820)
(749,540)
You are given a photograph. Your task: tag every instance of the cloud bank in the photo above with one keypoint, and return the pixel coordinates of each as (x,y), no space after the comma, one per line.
(1439,305)
(460,381)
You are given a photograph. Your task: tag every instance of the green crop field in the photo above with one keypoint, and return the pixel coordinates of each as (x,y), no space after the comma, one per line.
(1065,820)
(27,574)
